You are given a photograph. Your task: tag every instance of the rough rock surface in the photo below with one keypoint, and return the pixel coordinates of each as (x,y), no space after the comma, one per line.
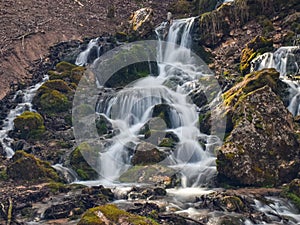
(262,148)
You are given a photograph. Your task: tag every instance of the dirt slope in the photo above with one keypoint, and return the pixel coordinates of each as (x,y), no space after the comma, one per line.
(29,27)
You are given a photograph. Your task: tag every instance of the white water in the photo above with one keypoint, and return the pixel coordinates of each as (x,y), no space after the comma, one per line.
(82,58)
(25,105)
(132,107)
(286,60)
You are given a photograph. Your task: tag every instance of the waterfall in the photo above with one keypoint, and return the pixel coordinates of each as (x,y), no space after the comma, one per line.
(25,105)
(92,48)
(131,108)
(286,60)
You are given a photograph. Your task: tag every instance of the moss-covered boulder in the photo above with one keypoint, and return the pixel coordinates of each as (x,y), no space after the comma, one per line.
(147,153)
(262,149)
(254,48)
(111,214)
(26,167)
(78,160)
(54,96)
(151,174)
(67,72)
(29,125)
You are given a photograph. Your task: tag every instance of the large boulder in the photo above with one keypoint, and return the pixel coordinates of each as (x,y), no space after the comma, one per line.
(111,214)
(262,148)
(26,167)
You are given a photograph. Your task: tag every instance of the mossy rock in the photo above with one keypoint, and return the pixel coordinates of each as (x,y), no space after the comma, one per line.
(111,214)
(58,85)
(64,66)
(292,191)
(254,48)
(128,74)
(164,111)
(29,125)
(67,72)
(262,139)
(26,167)
(251,82)
(54,101)
(79,163)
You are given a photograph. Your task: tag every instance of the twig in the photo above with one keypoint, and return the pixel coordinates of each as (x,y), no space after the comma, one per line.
(78,2)
(9,211)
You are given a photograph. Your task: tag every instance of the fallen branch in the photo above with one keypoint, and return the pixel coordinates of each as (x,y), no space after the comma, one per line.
(78,2)
(9,211)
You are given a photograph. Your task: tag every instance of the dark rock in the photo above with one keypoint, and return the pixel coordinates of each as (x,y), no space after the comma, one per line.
(165,112)
(79,163)
(147,153)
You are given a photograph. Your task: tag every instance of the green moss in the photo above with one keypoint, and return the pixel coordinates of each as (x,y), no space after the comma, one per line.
(29,125)
(64,66)
(22,162)
(58,85)
(57,187)
(3,175)
(167,142)
(255,47)
(54,101)
(79,164)
(114,215)
(251,82)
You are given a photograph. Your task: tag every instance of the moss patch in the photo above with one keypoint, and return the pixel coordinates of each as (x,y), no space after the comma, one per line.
(79,164)
(112,214)
(29,125)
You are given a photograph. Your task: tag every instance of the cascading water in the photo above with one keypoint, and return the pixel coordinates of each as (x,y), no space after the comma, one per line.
(286,60)
(8,124)
(131,108)
(83,57)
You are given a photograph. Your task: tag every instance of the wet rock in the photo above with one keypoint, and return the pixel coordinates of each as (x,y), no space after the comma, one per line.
(153,174)
(79,159)
(166,112)
(262,148)
(255,47)
(21,163)
(103,125)
(147,153)
(107,214)
(59,211)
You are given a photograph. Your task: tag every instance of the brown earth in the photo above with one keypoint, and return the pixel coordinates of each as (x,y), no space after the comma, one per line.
(30,27)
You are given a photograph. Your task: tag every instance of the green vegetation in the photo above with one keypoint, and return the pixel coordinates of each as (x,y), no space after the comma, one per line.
(79,164)
(113,214)
(26,167)
(29,125)
(254,48)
